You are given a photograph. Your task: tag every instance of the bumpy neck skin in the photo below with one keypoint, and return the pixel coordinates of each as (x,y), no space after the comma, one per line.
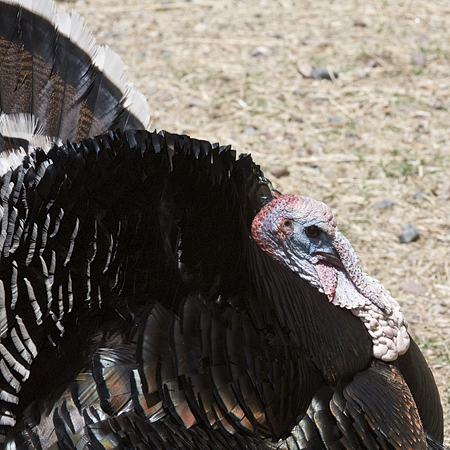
(302,234)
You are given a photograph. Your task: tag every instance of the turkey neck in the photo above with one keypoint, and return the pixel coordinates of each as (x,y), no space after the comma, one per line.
(331,338)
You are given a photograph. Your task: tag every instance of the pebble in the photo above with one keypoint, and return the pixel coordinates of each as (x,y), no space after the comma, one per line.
(409,234)
(371,63)
(249,131)
(384,204)
(437,105)
(317,73)
(420,195)
(305,69)
(196,102)
(279,171)
(359,23)
(261,51)
(315,149)
(337,120)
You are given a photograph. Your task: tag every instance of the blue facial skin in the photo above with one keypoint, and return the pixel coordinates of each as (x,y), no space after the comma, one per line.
(308,241)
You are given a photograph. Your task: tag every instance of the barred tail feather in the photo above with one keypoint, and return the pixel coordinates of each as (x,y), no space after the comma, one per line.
(52,69)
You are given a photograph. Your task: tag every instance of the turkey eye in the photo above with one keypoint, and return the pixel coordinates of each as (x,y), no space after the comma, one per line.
(313,231)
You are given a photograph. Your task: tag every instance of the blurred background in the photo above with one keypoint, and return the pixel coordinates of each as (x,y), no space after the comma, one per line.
(345,101)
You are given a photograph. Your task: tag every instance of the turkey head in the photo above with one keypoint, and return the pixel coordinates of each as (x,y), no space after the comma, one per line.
(302,234)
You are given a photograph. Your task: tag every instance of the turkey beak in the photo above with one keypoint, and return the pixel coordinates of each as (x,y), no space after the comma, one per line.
(329,255)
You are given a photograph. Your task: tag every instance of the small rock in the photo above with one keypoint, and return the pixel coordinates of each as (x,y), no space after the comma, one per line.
(359,23)
(384,204)
(319,73)
(437,105)
(305,69)
(420,195)
(279,171)
(351,136)
(371,63)
(289,137)
(325,43)
(196,102)
(413,288)
(261,51)
(409,234)
(337,120)
(419,59)
(249,131)
(315,149)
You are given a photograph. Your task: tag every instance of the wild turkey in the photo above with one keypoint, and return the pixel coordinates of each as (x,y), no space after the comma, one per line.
(192,336)
(138,311)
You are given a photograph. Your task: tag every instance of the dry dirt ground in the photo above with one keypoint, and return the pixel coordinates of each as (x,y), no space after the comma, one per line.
(228,71)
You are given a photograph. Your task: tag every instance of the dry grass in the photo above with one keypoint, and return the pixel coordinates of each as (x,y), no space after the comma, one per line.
(227,71)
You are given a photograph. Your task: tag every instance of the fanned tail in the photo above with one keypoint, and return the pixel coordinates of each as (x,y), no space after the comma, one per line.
(51,69)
